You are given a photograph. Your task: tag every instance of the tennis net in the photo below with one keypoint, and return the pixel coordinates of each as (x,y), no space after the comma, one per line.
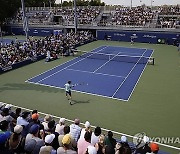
(114,57)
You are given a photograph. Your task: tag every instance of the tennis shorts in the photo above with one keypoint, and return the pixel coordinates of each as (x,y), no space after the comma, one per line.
(68,93)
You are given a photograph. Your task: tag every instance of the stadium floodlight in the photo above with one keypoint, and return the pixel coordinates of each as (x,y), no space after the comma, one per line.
(25,20)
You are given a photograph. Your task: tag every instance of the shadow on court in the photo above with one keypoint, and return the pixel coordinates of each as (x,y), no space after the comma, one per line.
(79,102)
(25,86)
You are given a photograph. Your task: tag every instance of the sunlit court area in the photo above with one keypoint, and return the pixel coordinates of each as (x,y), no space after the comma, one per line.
(89,77)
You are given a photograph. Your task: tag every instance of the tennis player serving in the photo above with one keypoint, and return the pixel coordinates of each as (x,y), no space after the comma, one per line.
(68,88)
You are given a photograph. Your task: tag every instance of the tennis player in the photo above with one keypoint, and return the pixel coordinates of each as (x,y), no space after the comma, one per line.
(68,88)
(132,40)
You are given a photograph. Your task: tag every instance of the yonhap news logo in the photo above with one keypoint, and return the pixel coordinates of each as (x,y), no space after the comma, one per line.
(140,139)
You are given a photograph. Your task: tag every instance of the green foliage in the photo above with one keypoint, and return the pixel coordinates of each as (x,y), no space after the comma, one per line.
(96,3)
(36,3)
(66,3)
(8,8)
(84,3)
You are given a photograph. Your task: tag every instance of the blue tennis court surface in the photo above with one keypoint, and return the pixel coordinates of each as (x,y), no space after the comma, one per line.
(110,71)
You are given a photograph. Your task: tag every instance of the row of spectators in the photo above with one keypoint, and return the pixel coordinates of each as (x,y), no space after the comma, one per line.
(54,45)
(33,16)
(26,132)
(169,17)
(84,15)
(38,17)
(169,10)
(168,22)
(124,16)
(136,16)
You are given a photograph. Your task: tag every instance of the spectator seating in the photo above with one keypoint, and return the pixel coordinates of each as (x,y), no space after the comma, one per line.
(34,134)
(169,17)
(140,16)
(57,45)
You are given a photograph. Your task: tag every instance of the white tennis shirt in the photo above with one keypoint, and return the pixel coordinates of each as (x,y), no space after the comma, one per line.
(67,87)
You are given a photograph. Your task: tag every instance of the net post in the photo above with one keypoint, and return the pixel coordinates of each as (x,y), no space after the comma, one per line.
(153,60)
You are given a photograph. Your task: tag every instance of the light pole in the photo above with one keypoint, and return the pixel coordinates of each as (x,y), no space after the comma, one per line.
(152,3)
(44,5)
(75,17)
(131,4)
(50,4)
(25,20)
(61,3)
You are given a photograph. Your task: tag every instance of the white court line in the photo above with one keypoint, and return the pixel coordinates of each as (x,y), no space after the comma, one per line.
(106,62)
(70,65)
(41,84)
(128,75)
(96,73)
(139,78)
(126,47)
(78,57)
(104,129)
(135,54)
(59,65)
(87,72)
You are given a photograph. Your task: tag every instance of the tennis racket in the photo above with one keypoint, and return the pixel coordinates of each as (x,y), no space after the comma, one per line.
(80,84)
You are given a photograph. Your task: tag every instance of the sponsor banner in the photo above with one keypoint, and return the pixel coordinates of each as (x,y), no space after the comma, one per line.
(139,36)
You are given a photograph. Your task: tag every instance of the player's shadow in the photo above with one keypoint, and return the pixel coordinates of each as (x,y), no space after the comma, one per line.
(25,86)
(79,102)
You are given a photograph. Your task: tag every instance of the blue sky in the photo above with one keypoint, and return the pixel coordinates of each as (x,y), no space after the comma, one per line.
(138,2)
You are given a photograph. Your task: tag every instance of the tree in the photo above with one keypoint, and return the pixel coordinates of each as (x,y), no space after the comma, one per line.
(84,3)
(66,3)
(39,3)
(96,3)
(8,9)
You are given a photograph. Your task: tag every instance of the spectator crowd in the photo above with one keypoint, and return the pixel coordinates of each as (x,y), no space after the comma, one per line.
(53,45)
(25,132)
(84,15)
(34,17)
(137,16)
(140,16)
(169,10)
(169,17)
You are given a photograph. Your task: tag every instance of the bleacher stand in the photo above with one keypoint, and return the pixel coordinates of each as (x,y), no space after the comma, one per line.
(54,46)
(140,16)
(169,17)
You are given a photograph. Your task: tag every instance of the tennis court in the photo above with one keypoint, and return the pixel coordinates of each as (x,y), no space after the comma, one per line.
(153,107)
(107,71)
